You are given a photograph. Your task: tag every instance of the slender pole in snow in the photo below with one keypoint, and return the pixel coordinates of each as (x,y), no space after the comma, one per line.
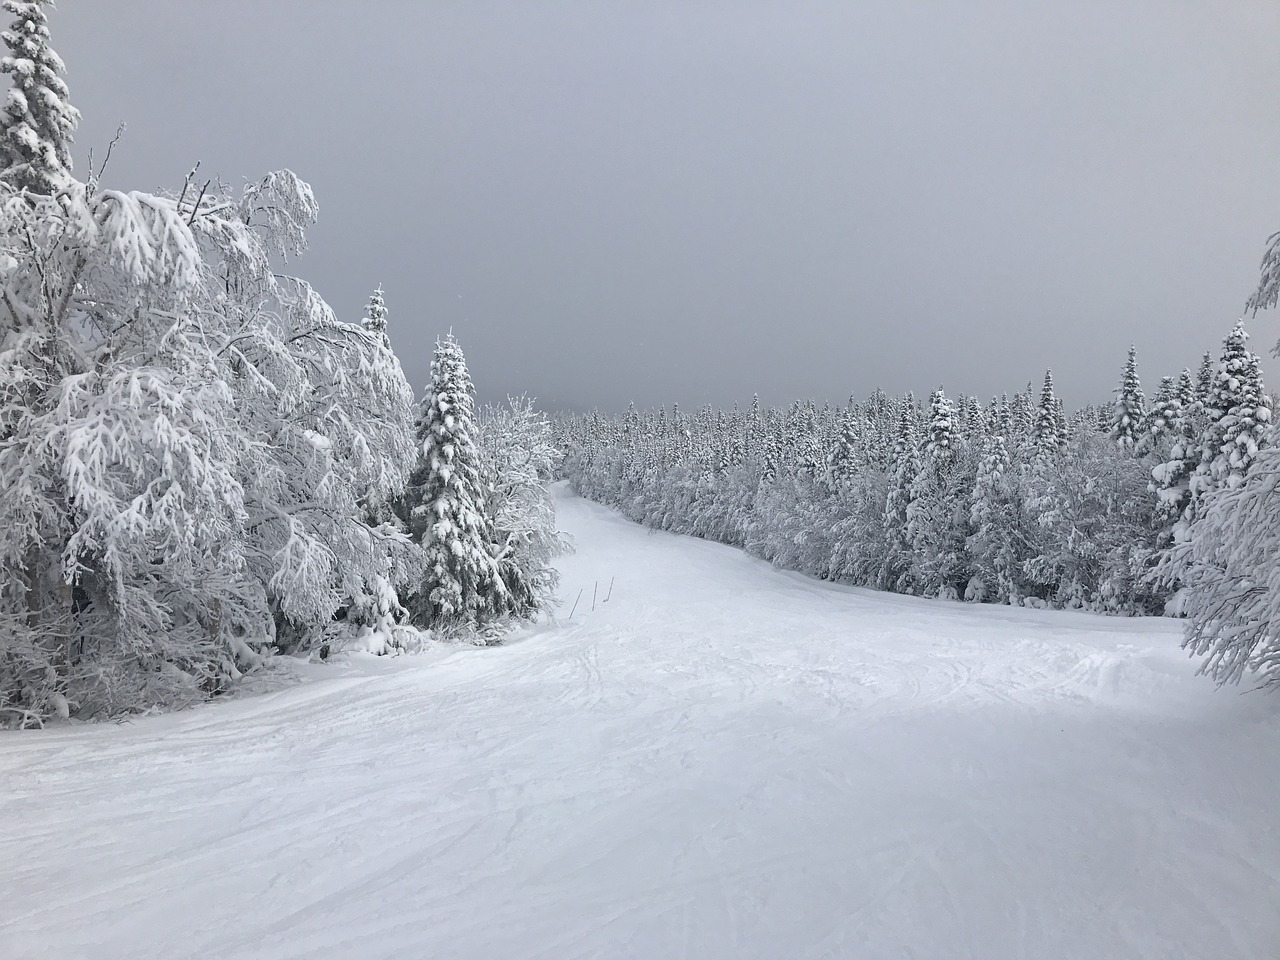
(594,587)
(610,593)
(575,605)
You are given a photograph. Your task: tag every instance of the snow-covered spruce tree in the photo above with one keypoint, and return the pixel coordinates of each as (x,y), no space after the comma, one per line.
(938,511)
(1049,433)
(1129,414)
(1205,377)
(1232,565)
(1238,411)
(517,457)
(1178,456)
(904,467)
(994,545)
(375,314)
(842,466)
(1022,421)
(857,526)
(1234,423)
(39,120)
(463,584)
(1165,413)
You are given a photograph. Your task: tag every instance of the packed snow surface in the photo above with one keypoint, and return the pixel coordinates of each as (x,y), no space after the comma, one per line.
(721,761)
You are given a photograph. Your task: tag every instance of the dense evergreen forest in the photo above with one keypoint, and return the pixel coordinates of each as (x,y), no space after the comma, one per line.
(1131,507)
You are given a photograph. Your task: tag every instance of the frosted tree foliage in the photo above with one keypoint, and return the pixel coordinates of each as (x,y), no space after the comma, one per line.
(519,460)
(1233,577)
(190,438)
(188,441)
(1269,284)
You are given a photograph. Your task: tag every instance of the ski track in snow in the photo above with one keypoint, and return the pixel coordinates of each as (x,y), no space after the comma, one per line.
(724,760)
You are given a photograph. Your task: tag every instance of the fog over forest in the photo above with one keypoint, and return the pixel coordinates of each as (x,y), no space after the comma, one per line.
(667,202)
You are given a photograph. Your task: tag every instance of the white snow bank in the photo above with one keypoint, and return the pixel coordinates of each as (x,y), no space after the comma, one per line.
(721,761)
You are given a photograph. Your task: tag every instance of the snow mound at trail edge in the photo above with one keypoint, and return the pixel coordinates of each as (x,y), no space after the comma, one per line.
(722,761)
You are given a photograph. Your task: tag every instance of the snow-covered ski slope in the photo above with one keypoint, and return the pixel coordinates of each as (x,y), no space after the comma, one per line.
(723,761)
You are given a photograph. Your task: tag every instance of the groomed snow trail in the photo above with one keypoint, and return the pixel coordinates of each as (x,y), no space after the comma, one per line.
(723,761)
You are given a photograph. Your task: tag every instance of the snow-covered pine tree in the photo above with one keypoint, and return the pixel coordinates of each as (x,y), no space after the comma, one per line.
(904,466)
(1186,390)
(1022,420)
(375,315)
(1129,413)
(1205,378)
(1002,419)
(843,463)
(993,543)
(1165,413)
(463,583)
(1178,454)
(1239,417)
(1048,435)
(1233,603)
(39,121)
(938,512)
(973,419)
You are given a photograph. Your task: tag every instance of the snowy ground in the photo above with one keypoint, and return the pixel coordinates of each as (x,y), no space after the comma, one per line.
(722,761)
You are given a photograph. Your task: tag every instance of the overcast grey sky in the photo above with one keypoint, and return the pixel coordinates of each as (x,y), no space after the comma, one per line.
(695,201)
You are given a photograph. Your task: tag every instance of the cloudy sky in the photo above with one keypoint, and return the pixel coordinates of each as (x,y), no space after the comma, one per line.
(695,200)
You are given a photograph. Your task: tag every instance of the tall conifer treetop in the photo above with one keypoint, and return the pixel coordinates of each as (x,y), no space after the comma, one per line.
(1129,414)
(375,315)
(39,121)
(941,441)
(1239,412)
(1048,434)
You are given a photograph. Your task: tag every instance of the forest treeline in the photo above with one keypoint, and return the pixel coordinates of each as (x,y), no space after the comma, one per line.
(1130,507)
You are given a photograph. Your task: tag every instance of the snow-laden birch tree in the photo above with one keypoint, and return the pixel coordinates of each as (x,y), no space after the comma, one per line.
(188,439)
(517,463)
